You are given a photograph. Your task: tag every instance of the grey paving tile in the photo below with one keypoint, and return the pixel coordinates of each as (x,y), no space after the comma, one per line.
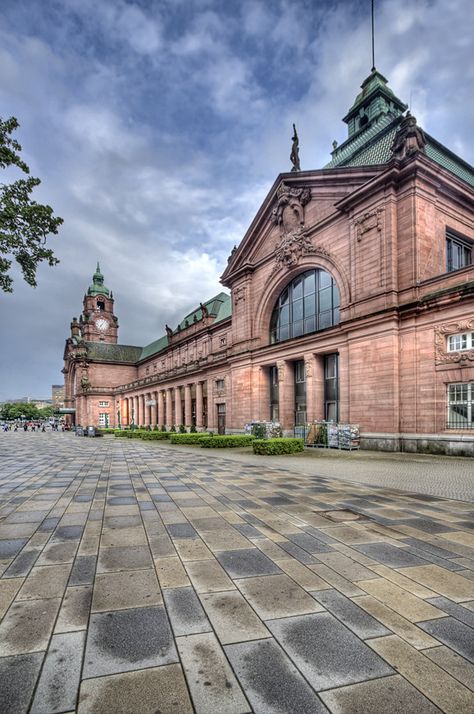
(9,548)
(133,557)
(274,596)
(122,693)
(454,664)
(55,553)
(17,680)
(185,611)
(453,633)
(393,695)
(270,680)
(45,581)
(232,617)
(246,563)
(58,685)
(181,530)
(22,563)
(212,683)
(351,615)
(390,555)
(128,640)
(75,609)
(68,533)
(458,611)
(83,570)
(326,652)
(27,626)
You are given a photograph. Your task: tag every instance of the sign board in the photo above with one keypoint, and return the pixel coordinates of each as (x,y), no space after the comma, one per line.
(151,402)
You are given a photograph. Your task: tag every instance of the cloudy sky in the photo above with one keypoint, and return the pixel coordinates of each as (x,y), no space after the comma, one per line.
(158,126)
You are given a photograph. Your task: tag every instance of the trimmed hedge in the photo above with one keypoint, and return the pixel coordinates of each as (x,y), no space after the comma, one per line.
(135,434)
(189,438)
(272,447)
(226,441)
(155,436)
(120,433)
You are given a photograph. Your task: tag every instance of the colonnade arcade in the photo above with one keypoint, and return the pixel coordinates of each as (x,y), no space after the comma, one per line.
(180,405)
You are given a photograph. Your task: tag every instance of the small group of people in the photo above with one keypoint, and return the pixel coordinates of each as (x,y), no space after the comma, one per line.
(35,426)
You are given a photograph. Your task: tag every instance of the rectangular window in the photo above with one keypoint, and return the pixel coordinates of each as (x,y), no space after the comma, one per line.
(300,392)
(464,341)
(461,406)
(274,395)
(220,384)
(331,387)
(458,252)
(103,404)
(104,419)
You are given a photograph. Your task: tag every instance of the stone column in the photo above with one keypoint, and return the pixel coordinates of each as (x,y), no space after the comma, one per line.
(136,411)
(211,408)
(142,409)
(169,409)
(187,405)
(154,409)
(199,414)
(286,395)
(177,407)
(318,388)
(160,408)
(311,396)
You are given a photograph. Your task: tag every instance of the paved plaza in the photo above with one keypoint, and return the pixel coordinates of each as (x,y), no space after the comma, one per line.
(141,578)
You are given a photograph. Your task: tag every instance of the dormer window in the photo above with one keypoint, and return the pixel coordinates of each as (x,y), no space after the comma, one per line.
(100,305)
(363,121)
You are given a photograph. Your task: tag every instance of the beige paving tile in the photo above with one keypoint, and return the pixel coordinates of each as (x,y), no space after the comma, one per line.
(444,582)
(147,691)
(447,693)
(45,581)
(271,549)
(414,635)
(337,581)
(354,554)
(409,606)
(8,589)
(346,567)
(302,575)
(171,573)
(232,617)
(208,576)
(228,539)
(352,535)
(124,536)
(462,537)
(27,626)
(75,609)
(454,664)
(271,534)
(192,549)
(211,681)
(274,596)
(125,589)
(89,546)
(395,577)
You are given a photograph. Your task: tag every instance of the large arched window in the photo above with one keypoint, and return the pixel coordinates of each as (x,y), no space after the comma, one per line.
(309,303)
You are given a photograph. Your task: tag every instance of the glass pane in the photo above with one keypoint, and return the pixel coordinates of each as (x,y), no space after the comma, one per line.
(309,305)
(309,283)
(285,315)
(324,279)
(331,389)
(325,320)
(325,299)
(309,325)
(331,411)
(336,316)
(299,371)
(298,310)
(273,337)
(298,328)
(284,297)
(297,288)
(335,295)
(284,332)
(330,366)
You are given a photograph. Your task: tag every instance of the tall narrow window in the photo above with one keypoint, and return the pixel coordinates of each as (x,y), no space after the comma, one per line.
(309,303)
(300,393)
(331,387)
(461,406)
(458,252)
(274,394)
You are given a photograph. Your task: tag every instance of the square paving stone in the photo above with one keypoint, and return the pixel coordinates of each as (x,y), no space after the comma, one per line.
(45,581)
(133,557)
(211,681)
(458,611)
(55,553)
(208,576)
(327,653)
(127,640)
(83,570)
(453,633)
(270,680)
(246,563)
(162,687)
(185,611)
(122,521)
(22,563)
(27,626)
(17,680)
(68,533)
(393,695)
(11,548)
(299,553)
(232,617)
(121,501)
(360,622)
(59,682)
(274,596)
(390,555)
(181,530)
(126,588)
(75,608)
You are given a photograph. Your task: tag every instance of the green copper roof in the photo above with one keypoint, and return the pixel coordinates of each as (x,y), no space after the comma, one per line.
(105,352)
(98,287)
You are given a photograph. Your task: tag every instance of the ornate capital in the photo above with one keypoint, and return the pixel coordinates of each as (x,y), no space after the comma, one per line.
(288,214)
(442,332)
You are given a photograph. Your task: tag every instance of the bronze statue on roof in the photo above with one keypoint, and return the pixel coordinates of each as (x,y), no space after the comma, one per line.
(295,152)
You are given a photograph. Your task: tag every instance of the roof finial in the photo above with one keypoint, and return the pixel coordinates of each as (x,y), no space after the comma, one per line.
(295,155)
(373,38)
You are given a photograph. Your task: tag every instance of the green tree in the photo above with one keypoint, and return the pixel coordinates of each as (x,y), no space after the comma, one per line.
(19,409)
(24,223)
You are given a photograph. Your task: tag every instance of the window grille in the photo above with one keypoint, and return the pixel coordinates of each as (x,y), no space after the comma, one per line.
(461,406)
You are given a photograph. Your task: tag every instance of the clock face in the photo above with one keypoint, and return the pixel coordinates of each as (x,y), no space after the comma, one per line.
(102,324)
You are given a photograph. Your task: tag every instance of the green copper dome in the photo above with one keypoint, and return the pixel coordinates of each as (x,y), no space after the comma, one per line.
(98,287)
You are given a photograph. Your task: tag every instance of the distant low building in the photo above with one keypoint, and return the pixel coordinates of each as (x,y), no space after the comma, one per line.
(352,300)
(57,395)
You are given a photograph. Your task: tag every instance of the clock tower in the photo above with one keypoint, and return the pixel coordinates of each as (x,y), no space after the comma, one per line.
(98,322)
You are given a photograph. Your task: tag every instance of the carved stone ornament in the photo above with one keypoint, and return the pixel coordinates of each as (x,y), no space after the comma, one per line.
(367,222)
(288,214)
(409,139)
(281,371)
(308,367)
(442,333)
(240,294)
(292,247)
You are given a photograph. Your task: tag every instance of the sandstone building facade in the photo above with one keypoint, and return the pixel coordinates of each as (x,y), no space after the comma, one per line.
(351,299)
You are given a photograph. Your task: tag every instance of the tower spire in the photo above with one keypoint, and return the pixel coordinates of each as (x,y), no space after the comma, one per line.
(373,38)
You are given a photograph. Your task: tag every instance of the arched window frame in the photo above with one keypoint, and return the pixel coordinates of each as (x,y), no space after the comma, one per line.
(308,303)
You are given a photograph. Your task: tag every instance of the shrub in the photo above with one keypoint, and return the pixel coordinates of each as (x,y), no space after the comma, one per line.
(182,429)
(188,438)
(163,428)
(173,428)
(259,431)
(136,434)
(155,436)
(227,441)
(272,447)
(156,428)
(193,429)
(120,433)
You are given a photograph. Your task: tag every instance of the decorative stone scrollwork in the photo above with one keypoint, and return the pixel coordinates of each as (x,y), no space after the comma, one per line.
(409,139)
(292,247)
(240,294)
(442,332)
(368,221)
(288,214)
(281,371)
(308,367)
